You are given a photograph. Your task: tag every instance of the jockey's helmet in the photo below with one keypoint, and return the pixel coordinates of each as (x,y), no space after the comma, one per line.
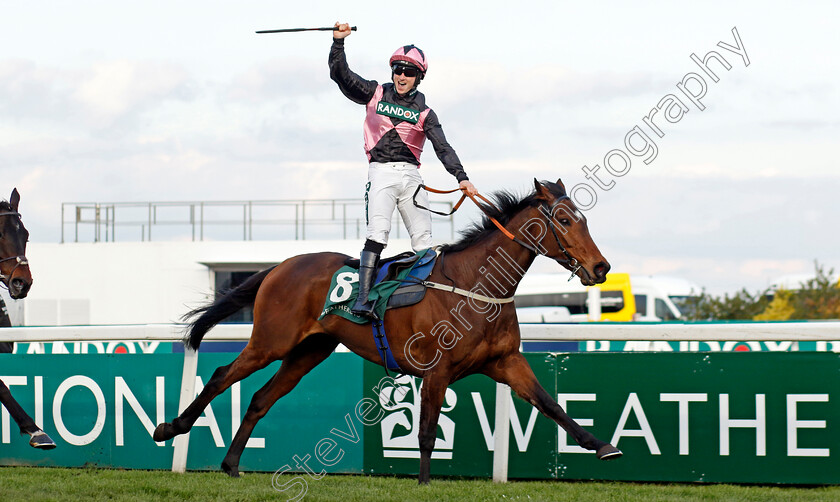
(410,55)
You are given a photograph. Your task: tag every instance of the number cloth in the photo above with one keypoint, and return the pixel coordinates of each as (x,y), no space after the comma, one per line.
(344,288)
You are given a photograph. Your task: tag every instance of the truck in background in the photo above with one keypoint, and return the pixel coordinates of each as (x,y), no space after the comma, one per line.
(547,298)
(662,298)
(551,298)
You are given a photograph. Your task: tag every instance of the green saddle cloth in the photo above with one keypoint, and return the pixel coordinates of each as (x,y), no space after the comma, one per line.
(344,288)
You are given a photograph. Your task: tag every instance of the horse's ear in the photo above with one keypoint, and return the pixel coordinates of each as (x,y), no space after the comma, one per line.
(561,185)
(542,190)
(14,199)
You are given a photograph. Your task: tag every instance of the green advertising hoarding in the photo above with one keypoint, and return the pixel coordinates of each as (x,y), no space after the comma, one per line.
(101,409)
(719,417)
(746,418)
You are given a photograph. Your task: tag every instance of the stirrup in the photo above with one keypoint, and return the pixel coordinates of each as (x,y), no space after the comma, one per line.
(366,310)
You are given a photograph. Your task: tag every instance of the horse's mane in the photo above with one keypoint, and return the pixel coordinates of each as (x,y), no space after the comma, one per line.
(507,205)
(5,206)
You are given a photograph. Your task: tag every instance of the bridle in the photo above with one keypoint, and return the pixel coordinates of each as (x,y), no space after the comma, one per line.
(20,259)
(570,263)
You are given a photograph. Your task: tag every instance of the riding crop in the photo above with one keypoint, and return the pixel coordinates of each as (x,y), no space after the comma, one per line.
(291,30)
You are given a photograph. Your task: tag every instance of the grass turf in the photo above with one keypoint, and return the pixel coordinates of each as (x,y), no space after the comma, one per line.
(57,484)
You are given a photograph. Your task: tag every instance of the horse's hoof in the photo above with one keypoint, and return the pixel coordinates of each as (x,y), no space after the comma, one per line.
(232,471)
(163,432)
(608,452)
(41,440)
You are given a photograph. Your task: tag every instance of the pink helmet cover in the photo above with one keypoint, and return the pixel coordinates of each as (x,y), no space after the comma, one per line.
(410,54)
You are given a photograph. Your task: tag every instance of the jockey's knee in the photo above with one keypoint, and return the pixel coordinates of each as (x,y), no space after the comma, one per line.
(421,241)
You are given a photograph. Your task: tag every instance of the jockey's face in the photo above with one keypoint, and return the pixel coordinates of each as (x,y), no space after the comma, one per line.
(402,82)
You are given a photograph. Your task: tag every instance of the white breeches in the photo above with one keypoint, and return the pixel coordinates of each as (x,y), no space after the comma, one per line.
(391,185)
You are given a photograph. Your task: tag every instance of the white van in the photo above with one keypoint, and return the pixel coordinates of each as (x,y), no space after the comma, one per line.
(662,298)
(546,298)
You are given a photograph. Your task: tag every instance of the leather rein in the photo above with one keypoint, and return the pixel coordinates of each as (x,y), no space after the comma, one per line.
(21,259)
(570,262)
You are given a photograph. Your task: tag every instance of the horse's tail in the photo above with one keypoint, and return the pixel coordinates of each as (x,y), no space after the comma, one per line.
(204,318)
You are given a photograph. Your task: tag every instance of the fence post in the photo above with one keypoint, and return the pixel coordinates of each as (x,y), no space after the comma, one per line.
(181,443)
(98,219)
(344,220)
(501,438)
(594,302)
(303,220)
(114,223)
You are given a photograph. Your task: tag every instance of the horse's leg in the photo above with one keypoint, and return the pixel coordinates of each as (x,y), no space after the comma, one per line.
(515,371)
(247,362)
(431,400)
(37,437)
(24,421)
(310,353)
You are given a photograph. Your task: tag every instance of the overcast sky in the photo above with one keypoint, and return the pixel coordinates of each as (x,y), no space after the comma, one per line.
(162,100)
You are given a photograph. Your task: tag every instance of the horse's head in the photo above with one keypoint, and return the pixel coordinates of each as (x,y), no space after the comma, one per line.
(562,234)
(14,269)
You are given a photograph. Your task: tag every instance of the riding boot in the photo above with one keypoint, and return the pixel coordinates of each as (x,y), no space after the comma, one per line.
(367,266)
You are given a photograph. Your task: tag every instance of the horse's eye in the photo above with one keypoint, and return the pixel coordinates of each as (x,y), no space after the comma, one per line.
(565,222)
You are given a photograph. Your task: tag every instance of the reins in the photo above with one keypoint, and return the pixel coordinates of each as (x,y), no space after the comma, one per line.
(570,260)
(482,208)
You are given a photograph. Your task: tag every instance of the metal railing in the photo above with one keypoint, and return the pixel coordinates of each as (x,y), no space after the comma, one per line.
(221,220)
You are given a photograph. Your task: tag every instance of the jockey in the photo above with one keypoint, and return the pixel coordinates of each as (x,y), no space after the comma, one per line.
(396,126)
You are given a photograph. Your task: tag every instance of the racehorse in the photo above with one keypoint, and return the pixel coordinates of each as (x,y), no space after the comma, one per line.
(15,275)
(481,335)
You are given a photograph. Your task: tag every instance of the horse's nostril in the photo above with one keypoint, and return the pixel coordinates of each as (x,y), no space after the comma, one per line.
(601,269)
(18,286)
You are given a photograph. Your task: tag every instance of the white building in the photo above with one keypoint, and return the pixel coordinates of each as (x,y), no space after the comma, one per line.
(147,282)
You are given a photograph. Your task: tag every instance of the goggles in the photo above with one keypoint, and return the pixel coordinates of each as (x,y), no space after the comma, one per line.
(408,71)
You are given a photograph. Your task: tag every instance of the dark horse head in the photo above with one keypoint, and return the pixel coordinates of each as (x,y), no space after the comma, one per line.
(14,269)
(568,240)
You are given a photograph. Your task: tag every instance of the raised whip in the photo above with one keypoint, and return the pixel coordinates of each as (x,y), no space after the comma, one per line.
(290,30)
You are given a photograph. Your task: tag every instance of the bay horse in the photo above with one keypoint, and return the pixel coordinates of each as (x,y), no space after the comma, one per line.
(289,297)
(16,277)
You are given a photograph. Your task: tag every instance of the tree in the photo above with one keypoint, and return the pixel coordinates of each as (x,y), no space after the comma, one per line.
(742,306)
(818,298)
(780,309)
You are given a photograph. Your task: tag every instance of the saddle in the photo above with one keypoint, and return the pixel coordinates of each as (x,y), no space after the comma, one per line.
(398,283)
(409,291)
